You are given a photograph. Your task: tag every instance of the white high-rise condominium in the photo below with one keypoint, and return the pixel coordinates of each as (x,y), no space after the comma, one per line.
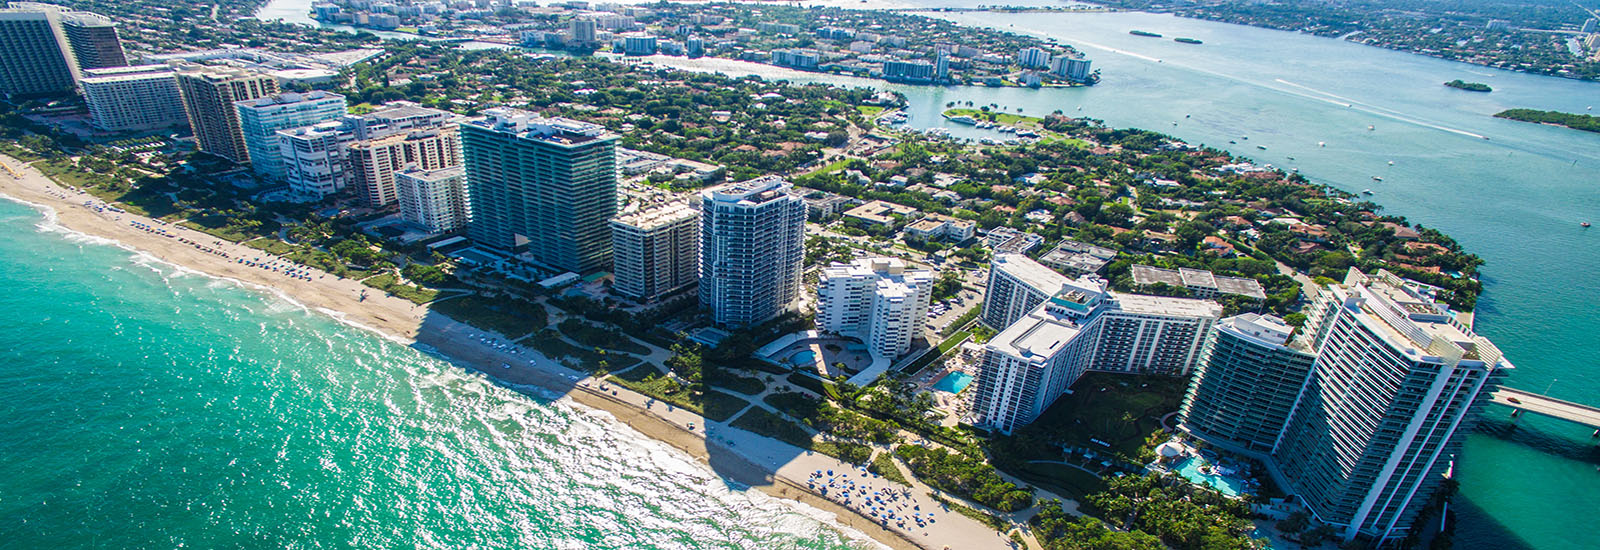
(752,248)
(877,300)
(1054,328)
(133,98)
(1398,383)
(261,119)
(434,199)
(654,251)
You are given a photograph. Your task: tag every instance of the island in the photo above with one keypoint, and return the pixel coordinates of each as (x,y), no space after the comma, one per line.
(1188,40)
(1587,123)
(1469,86)
(1144,33)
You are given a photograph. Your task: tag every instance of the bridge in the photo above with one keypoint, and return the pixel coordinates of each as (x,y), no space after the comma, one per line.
(1548,406)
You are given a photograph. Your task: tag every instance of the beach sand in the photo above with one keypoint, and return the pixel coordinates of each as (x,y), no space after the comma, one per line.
(407,323)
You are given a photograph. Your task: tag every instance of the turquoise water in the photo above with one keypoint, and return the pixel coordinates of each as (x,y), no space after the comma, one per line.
(1190,469)
(807,357)
(147,407)
(953,383)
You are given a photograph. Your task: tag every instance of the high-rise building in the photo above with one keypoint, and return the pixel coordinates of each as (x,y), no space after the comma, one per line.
(695,46)
(542,188)
(1153,334)
(639,44)
(209,93)
(1070,67)
(878,301)
(313,157)
(914,71)
(366,150)
(1017,285)
(375,162)
(35,59)
(260,120)
(1033,58)
(1034,360)
(584,31)
(434,199)
(93,39)
(752,249)
(1398,383)
(1246,382)
(133,98)
(654,251)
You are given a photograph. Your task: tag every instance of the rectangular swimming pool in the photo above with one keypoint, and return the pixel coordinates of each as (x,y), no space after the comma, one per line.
(953,383)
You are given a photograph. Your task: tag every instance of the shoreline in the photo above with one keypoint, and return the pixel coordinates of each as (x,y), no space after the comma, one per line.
(403,322)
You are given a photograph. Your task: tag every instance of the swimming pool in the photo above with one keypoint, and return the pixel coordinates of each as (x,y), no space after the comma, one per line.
(807,357)
(953,382)
(1190,469)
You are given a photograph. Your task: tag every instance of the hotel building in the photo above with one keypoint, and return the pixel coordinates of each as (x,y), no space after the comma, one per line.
(144,97)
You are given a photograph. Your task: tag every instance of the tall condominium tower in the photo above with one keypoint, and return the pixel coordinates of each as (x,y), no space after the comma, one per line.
(1029,364)
(1246,382)
(877,300)
(35,59)
(261,119)
(1398,384)
(133,98)
(1153,334)
(314,158)
(434,199)
(542,188)
(752,248)
(208,97)
(654,251)
(1017,285)
(93,39)
(375,162)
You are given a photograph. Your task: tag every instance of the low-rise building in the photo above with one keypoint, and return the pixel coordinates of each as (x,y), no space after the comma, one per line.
(939,226)
(1077,259)
(1201,284)
(881,213)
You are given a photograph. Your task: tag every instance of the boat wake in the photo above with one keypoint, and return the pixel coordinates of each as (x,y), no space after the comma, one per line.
(1369,108)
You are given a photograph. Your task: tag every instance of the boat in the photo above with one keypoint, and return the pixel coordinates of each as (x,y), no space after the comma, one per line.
(1187,41)
(1370,128)
(964,119)
(1261,147)
(1233,142)
(1376,178)
(1366,191)
(1584,224)
(1322,144)
(1144,33)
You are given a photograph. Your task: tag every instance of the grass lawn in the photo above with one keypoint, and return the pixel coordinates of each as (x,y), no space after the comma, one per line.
(743,384)
(831,167)
(1064,480)
(814,384)
(271,246)
(649,380)
(1118,409)
(1003,118)
(512,318)
(944,347)
(869,111)
(598,337)
(389,283)
(763,422)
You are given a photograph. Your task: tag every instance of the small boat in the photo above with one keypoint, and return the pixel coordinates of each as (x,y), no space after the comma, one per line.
(1322,144)
(1584,224)
(1376,178)
(1366,191)
(1233,142)
(1261,147)
(1391,163)
(1370,128)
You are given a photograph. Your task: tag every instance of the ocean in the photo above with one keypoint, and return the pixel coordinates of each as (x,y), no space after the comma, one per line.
(148,406)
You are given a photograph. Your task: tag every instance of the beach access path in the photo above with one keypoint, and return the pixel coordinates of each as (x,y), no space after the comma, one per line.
(773,467)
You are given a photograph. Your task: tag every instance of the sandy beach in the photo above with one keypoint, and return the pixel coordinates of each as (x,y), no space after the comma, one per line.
(768,465)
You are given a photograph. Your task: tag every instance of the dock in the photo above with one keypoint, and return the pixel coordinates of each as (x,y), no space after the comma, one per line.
(1547,406)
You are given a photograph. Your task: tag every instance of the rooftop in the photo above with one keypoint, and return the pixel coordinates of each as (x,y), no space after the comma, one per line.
(753,191)
(1263,329)
(289,98)
(434,175)
(1031,273)
(1165,305)
(126,74)
(1036,336)
(530,125)
(1410,318)
(652,218)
